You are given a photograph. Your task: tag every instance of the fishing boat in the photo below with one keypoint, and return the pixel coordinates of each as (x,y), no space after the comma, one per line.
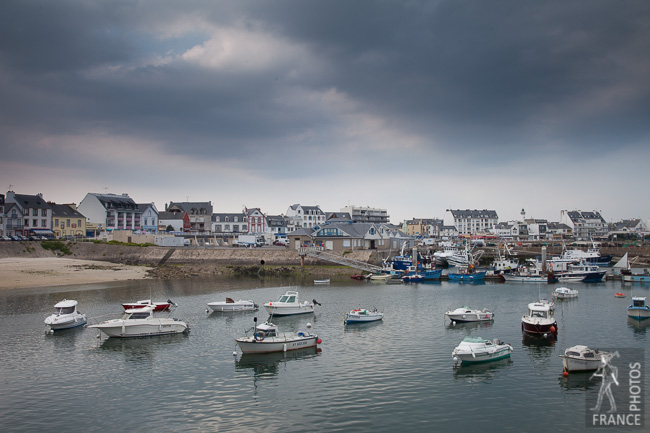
(157,306)
(565,293)
(467,273)
(539,319)
(140,322)
(65,316)
(361,315)
(582,358)
(475,349)
(592,255)
(267,339)
(231,305)
(431,274)
(466,314)
(582,271)
(639,309)
(289,304)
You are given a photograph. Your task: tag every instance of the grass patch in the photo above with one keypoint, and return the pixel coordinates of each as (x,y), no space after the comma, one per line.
(56,246)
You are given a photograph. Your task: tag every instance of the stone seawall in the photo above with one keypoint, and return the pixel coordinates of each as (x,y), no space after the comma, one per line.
(178,262)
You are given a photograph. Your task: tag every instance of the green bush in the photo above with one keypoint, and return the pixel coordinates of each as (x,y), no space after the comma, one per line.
(56,246)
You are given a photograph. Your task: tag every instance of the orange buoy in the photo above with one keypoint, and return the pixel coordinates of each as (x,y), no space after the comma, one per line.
(553,329)
(319,341)
(565,374)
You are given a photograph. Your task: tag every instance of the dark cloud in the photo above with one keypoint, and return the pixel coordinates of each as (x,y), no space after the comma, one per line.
(478,78)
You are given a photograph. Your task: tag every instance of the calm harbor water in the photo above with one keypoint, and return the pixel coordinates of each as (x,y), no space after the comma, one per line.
(394,375)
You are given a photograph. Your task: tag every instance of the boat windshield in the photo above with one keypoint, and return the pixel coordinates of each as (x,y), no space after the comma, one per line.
(64,310)
(638,303)
(537,313)
(285,298)
(139,315)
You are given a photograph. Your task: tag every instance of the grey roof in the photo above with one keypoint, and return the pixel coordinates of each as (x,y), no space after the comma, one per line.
(354,230)
(276,221)
(580,215)
(114,201)
(558,226)
(66,211)
(164,215)
(192,208)
(338,216)
(144,206)
(30,201)
(473,213)
(306,231)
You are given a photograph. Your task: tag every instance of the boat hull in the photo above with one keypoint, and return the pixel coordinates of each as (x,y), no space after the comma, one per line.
(472,317)
(67,323)
(573,364)
(478,276)
(637,278)
(363,318)
(288,310)
(539,328)
(638,313)
(479,358)
(117,328)
(275,344)
(230,306)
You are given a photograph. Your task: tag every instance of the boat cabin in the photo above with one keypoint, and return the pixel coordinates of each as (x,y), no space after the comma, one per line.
(288,298)
(638,302)
(266,329)
(540,310)
(65,307)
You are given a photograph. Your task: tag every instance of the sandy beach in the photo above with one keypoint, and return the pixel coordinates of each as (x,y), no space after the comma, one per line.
(18,272)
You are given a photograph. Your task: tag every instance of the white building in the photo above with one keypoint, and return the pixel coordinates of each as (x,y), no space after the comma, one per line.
(362,214)
(304,217)
(111,211)
(471,222)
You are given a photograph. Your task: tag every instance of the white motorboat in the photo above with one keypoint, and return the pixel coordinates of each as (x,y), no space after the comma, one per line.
(267,339)
(379,277)
(466,314)
(539,319)
(322,281)
(140,322)
(476,349)
(582,358)
(361,315)
(289,304)
(639,309)
(65,316)
(232,305)
(565,293)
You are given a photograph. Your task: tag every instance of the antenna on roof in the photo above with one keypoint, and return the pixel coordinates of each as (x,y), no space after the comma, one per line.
(105,189)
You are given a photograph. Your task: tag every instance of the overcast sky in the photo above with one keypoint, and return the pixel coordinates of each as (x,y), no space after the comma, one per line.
(411,106)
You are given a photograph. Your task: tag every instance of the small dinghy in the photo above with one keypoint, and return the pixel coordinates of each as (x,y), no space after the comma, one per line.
(65,316)
(157,306)
(232,305)
(361,315)
(474,350)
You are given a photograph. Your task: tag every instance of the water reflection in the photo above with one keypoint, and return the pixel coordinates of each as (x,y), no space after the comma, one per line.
(268,365)
(538,347)
(467,327)
(639,326)
(477,373)
(140,350)
(580,381)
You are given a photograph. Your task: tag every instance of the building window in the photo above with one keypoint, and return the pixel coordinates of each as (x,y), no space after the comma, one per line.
(67,222)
